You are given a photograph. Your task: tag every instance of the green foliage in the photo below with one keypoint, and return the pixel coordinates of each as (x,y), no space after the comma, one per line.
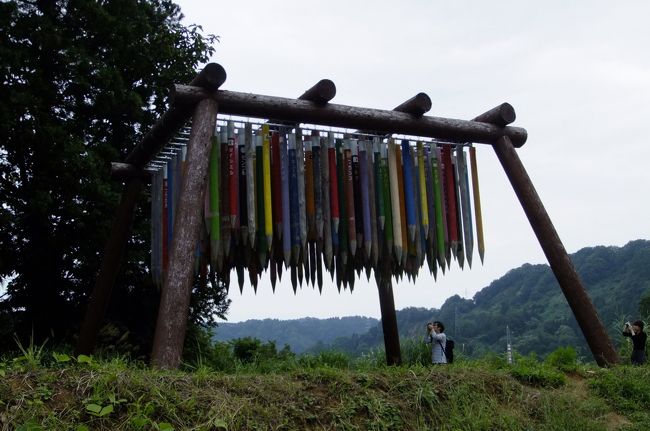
(563,358)
(32,355)
(81,83)
(529,371)
(331,359)
(625,388)
(324,392)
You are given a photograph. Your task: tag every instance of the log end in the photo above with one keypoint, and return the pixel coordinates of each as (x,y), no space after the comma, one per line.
(321,93)
(417,105)
(211,77)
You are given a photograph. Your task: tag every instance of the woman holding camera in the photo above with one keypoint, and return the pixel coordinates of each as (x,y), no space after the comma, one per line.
(635,331)
(436,336)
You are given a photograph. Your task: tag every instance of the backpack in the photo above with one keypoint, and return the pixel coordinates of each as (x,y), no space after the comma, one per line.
(448,350)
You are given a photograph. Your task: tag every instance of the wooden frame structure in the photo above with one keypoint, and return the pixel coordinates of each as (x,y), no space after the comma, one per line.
(202,100)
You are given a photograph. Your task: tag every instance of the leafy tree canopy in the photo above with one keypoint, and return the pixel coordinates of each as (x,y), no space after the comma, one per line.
(82,81)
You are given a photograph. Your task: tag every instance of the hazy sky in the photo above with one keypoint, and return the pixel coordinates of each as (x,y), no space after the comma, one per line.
(577,75)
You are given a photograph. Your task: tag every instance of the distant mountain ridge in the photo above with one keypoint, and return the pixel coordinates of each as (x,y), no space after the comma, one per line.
(299,334)
(527,300)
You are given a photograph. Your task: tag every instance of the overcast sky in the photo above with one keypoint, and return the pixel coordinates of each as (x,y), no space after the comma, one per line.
(577,75)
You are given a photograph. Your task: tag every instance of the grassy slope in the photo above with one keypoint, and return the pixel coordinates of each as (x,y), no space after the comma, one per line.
(465,396)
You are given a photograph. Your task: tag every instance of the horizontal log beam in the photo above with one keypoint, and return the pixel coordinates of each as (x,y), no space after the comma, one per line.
(299,111)
(210,78)
(417,105)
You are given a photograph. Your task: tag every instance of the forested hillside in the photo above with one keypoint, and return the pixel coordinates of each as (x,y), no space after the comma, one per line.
(527,299)
(299,334)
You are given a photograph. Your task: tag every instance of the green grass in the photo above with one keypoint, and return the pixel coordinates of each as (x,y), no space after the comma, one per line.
(327,391)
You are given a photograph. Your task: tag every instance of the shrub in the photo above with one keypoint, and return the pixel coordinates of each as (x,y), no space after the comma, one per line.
(563,358)
(325,358)
(529,371)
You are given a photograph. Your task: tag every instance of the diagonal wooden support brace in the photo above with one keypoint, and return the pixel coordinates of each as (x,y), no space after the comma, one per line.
(575,293)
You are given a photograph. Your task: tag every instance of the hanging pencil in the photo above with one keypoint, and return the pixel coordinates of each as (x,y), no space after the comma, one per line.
(450,198)
(293,196)
(441,211)
(402,203)
(286,201)
(327,214)
(300,162)
(156,216)
(349,197)
(432,239)
(276,186)
(311,275)
(233,178)
(224,194)
(239,268)
(216,251)
(259,194)
(419,251)
(356,193)
(306,261)
(273,274)
(395,200)
(172,183)
(407,158)
(310,209)
(460,251)
(294,278)
(341,176)
(250,182)
(468,234)
(266,164)
(334,186)
(477,203)
(243,199)
(372,193)
(318,193)
(379,196)
(386,198)
(319,268)
(170,201)
(424,211)
(365,198)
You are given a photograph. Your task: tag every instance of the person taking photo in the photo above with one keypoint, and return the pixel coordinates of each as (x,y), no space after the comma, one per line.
(634,330)
(436,336)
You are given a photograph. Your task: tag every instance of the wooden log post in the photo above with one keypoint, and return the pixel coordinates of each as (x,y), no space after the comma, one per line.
(583,309)
(558,259)
(174,303)
(100,298)
(210,78)
(388,316)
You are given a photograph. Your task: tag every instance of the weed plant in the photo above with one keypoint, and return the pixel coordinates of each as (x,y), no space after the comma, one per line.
(247,384)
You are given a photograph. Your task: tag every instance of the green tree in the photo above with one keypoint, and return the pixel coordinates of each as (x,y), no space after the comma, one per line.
(82,81)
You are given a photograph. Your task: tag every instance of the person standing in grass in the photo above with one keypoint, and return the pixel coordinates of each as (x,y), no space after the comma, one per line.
(436,336)
(639,338)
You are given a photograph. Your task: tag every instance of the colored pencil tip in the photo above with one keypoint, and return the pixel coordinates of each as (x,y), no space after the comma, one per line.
(412,231)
